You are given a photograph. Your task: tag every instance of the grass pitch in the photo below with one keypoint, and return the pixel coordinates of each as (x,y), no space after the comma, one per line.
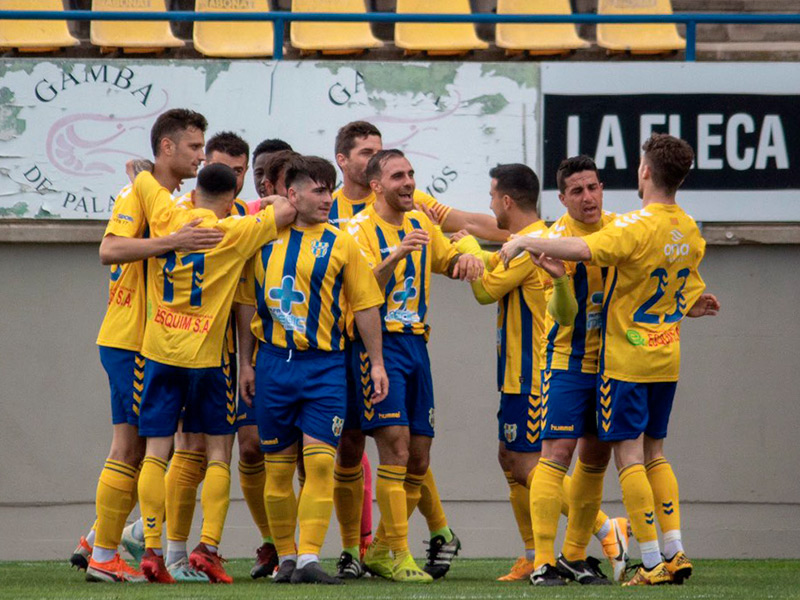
(467,580)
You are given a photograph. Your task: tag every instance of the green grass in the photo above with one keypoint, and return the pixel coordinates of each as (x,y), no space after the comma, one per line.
(468,580)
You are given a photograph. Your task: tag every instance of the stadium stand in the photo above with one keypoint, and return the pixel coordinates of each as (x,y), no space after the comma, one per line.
(329,37)
(445,39)
(34,36)
(233,40)
(539,39)
(651,38)
(132,37)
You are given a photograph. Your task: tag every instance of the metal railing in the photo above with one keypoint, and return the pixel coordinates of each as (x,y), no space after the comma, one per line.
(281,18)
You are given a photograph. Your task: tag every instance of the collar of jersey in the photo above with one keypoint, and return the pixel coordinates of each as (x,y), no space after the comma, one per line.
(535,226)
(385,223)
(316,228)
(365,200)
(584,228)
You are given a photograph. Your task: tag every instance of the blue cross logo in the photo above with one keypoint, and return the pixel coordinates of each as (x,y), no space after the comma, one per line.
(287,294)
(407,293)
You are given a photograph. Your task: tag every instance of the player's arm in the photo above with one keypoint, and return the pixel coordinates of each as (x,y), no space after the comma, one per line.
(117,250)
(478,224)
(447,260)
(467,244)
(569,248)
(707,305)
(368,322)
(499,281)
(562,306)
(284,214)
(247,343)
(412,242)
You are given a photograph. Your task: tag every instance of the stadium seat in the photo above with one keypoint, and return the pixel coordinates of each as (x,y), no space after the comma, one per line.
(34,36)
(132,36)
(436,38)
(332,37)
(646,38)
(537,38)
(231,39)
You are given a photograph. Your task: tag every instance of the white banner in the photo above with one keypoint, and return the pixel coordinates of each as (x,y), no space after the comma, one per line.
(67,127)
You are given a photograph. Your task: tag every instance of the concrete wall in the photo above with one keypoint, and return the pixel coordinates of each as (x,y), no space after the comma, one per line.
(732,441)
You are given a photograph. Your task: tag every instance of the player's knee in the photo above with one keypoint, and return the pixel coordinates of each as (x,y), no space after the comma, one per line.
(503,458)
(520,472)
(561,452)
(351,448)
(418,463)
(250,454)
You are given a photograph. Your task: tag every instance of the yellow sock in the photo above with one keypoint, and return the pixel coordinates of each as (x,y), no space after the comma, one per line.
(413,487)
(152,494)
(519,497)
(637,496)
(280,501)
(185,473)
(430,504)
(546,493)
(113,502)
(348,498)
(216,499)
(586,495)
(252,478)
(391,496)
(665,494)
(316,504)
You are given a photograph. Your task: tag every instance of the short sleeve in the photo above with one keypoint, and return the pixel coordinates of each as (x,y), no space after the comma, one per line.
(246,290)
(439,210)
(157,203)
(127,218)
(366,251)
(252,232)
(616,243)
(442,251)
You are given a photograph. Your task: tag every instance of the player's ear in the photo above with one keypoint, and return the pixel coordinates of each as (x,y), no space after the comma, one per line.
(508,202)
(340,159)
(376,186)
(562,199)
(167,146)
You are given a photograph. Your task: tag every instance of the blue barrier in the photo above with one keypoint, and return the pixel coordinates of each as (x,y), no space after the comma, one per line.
(280,18)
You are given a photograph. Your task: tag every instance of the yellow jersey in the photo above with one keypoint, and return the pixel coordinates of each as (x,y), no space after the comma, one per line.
(123,324)
(519,293)
(343,209)
(656,252)
(576,347)
(304,283)
(189,295)
(407,292)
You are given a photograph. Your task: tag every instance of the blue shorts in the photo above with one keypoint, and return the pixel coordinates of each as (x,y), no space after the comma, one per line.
(625,410)
(204,398)
(410,399)
(299,392)
(568,401)
(358,383)
(125,370)
(519,422)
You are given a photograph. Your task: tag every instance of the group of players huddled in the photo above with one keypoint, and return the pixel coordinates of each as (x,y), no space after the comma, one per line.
(325,296)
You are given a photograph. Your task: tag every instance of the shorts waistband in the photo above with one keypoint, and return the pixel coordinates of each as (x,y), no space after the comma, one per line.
(290,354)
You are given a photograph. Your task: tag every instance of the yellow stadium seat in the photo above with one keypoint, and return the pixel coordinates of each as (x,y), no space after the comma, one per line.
(537,38)
(638,38)
(332,37)
(436,38)
(232,39)
(34,36)
(132,36)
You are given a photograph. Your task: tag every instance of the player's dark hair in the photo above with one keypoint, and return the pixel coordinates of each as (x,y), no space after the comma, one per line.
(315,168)
(215,180)
(570,166)
(519,182)
(228,143)
(278,162)
(347,136)
(172,122)
(375,164)
(270,146)
(670,160)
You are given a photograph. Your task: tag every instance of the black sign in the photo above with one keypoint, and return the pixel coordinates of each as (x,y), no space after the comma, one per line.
(741,141)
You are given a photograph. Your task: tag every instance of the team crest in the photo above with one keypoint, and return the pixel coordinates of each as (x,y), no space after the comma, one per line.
(338,423)
(510,431)
(431,418)
(319,248)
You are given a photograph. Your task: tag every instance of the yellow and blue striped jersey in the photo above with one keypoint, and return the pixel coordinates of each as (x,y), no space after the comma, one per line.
(656,252)
(519,293)
(304,283)
(189,295)
(343,209)
(123,324)
(576,347)
(407,291)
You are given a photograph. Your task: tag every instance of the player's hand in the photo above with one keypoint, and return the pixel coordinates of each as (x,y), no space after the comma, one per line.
(552,266)
(707,305)
(285,212)
(268,201)
(424,208)
(247,383)
(413,242)
(458,235)
(512,248)
(136,165)
(468,268)
(190,237)
(380,384)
